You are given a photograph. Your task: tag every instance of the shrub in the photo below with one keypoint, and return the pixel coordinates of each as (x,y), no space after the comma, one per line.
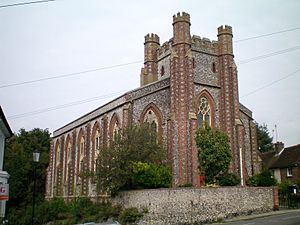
(264,178)
(228,179)
(130,216)
(148,175)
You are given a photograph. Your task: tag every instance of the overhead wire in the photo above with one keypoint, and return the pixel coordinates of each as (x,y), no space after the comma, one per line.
(266,35)
(25,3)
(271,83)
(64,105)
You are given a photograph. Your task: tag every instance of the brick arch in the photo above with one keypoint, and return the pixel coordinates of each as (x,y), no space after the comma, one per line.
(158,115)
(114,119)
(96,127)
(212,105)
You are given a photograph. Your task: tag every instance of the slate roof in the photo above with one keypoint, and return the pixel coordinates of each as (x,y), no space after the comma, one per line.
(289,157)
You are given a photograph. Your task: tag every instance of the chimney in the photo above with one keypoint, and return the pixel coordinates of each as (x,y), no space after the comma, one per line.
(278,146)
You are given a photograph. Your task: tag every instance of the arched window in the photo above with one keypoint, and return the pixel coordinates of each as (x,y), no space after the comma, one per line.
(81,152)
(152,120)
(204,113)
(97,142)
(58,153)
(69,159)
(114,126)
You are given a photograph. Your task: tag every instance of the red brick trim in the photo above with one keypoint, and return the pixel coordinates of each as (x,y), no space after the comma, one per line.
(68,142)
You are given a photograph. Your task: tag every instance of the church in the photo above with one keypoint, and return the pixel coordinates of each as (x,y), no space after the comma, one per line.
(186,81)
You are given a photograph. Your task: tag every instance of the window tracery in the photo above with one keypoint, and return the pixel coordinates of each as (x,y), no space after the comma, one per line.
(204,113)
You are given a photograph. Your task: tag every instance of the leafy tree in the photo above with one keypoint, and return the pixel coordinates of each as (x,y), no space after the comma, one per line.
(214,153)
(18,163)
(264,140)
(133,144)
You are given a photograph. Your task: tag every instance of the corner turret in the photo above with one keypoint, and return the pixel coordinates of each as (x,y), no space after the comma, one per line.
(150,71)
(181,29)
(225,40)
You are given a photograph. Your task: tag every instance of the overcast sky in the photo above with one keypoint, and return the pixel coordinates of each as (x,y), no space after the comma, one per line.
(69,36)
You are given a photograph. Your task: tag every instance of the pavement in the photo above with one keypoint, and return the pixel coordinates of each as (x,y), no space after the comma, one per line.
(254,216)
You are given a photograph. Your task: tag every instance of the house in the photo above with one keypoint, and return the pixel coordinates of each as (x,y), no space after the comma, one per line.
(284,162)
(5,132)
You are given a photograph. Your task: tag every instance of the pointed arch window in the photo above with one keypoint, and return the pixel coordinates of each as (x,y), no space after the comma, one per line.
(69,158)
(204,112)
(115,129)
(58,154)
(81,152)
(151,119)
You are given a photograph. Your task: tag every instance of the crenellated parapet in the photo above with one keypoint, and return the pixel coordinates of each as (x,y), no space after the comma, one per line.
(204,44)
(152,38)
(224,30)
(164,49)
(181,17)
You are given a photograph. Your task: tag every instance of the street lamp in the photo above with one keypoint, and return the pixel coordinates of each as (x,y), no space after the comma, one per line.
(36,159)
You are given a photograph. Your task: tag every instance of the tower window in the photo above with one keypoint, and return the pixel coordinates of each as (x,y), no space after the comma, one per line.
(213,67)
(162,71)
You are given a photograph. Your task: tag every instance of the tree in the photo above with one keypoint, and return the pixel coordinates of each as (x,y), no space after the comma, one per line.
(18,163)
(133,144)
(264,140)
(214,153)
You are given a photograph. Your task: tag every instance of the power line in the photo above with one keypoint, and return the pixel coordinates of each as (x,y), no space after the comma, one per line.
(268,55)
(266,35)
(25,3)
(31,113)
(272,83)
(135,62)
(68,74)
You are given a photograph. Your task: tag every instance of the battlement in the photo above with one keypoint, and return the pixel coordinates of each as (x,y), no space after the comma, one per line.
(204,43)
(224,30)
(165,47)
(181,17)
(152,38)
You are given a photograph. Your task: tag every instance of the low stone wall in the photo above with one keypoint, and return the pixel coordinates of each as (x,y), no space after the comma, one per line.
(196,205)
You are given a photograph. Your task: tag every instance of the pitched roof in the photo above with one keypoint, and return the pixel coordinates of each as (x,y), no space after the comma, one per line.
(268,158)
(288,157)
(4,126)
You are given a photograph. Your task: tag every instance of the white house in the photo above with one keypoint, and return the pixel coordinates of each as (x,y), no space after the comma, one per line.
(5,132)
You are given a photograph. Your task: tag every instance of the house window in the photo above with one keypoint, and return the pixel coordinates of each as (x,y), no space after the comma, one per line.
(289,172)
(204,113)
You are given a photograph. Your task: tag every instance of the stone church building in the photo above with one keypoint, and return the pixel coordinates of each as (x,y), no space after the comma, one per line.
(185,82)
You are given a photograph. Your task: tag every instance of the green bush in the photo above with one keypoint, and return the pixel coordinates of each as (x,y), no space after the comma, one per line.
(148,175)
(263,179)
(130,216)
(228,179)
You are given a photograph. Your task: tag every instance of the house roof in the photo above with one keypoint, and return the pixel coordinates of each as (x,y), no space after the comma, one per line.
(4,126)
(268,158)
(288,157)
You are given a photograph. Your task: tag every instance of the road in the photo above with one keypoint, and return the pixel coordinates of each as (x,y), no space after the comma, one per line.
(290,218)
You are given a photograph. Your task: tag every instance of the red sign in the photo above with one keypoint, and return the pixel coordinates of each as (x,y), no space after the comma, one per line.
(4,189)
